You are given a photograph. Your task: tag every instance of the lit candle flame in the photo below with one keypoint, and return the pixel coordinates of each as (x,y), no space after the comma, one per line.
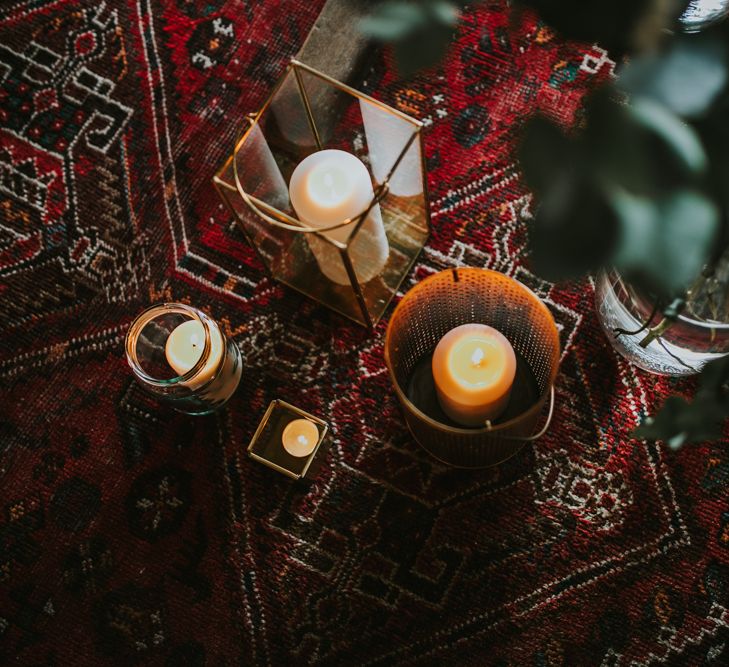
(302,440)
(477,356)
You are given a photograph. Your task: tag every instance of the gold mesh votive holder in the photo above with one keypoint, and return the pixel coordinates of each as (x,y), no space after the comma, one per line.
(266,445)
(353,266)
(449,299)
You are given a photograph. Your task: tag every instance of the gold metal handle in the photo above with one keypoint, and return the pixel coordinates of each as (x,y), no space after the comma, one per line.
(544,428)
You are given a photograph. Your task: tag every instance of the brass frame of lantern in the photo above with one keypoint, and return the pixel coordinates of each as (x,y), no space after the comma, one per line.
(282,220)
(277,403)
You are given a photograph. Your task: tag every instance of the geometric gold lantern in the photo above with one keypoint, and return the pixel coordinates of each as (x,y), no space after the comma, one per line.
(356,265)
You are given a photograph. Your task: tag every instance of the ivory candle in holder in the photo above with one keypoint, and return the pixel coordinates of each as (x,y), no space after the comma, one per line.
(463,345)
(181,355)
(473,368)
(300,437)
(327,188)
(184,347)
(289,440)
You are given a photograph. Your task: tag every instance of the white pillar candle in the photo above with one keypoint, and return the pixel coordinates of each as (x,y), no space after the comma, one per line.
(185,346)
(326,188)
(220,374)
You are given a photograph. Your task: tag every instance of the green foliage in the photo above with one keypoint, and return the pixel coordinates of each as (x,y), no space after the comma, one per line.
(632,188)
(576,228)
(647,177)
(686,80)
(623,192)
(680,139)
(666,240)
(420,31)
(680,422)
(614,24)
(642,186)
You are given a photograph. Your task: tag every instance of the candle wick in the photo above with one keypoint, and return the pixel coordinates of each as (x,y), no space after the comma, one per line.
(477,356)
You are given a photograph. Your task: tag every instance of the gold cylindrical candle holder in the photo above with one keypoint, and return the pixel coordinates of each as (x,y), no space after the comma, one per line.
(447,300)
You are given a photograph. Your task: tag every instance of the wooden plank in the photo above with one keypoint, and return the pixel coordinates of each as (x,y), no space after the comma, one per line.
(335,45)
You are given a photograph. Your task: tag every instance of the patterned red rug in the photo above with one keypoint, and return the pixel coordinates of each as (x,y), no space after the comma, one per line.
(131,534)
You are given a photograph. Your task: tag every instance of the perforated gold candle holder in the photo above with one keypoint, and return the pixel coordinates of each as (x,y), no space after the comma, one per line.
(267,448)
(358,270)
(442,302)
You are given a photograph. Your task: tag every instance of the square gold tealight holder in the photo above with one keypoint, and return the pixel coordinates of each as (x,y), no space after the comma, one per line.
(353,265)
(267,447)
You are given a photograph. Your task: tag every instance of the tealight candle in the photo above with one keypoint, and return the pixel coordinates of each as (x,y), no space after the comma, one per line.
(185,346)
(329,187)
(300,437)
(473,367)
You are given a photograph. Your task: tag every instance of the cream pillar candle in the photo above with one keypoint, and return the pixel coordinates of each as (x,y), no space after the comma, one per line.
(473,367)
(185,346)
(326,188)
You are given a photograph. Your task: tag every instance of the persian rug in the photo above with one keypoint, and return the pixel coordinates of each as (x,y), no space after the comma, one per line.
(130,534)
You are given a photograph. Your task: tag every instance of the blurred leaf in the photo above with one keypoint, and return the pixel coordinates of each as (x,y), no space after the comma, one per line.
(714,379)
(637,150)
(420,31)
(614,143)
(393,20)
(446,12)
(686,79)
(605,198)
(573,232)
(676,134)
(667,239)
(679,422)
(422,49)
(574,228)
(612,24)
(544,153)
(713,129)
